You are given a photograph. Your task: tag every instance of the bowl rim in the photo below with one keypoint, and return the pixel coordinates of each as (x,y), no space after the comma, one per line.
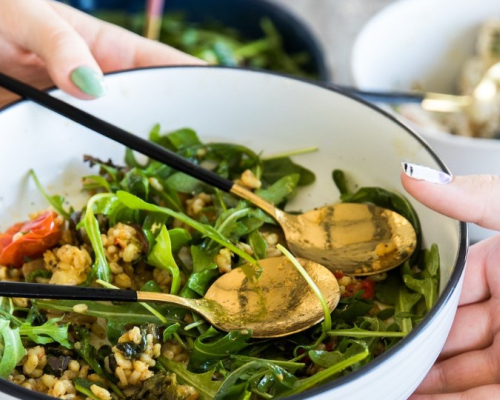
(448,290)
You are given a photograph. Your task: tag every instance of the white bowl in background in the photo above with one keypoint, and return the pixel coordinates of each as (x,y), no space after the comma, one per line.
(426,43)
(269,113)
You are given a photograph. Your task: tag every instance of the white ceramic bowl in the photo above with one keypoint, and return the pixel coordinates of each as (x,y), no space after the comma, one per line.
(426,43)
(266,112)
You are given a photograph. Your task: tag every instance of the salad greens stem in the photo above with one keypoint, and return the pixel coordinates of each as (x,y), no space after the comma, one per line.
(55,201)
(145,305)
(327,323)
(291,153)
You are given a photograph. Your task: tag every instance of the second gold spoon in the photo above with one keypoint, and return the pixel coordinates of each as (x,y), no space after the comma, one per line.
(279,303)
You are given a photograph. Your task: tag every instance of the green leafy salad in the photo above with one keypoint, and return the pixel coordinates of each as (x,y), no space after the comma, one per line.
(219,44)
(148,227)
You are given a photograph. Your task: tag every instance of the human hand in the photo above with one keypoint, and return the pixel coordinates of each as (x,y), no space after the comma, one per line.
(44,42)
(469,364)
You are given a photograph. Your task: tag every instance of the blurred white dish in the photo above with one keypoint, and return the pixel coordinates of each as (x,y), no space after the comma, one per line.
(266,112)
(425,43)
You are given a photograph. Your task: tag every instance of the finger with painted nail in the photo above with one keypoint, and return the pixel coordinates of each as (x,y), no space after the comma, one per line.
(45,42)
(470,198)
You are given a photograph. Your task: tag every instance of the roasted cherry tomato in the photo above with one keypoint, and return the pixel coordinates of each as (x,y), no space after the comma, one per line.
(366,285)
(32,238)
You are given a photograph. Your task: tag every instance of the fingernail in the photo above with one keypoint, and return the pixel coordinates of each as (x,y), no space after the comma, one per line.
(427,174)
(88,80)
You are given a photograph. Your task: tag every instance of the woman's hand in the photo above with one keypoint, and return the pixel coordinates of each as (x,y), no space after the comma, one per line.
(43,43)
(469,364)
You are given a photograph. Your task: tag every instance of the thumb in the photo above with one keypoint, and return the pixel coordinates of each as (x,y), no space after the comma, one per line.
(469,198)
(36,27)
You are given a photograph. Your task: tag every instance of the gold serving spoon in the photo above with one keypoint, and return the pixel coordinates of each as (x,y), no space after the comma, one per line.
(280,302)
(358,239)
(354,238)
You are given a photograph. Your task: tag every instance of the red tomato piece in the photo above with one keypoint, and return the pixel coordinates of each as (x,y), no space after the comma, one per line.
(366,285)
(37,235)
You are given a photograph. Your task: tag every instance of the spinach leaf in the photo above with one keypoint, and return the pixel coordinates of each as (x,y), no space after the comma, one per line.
(277,168)
(387,291)
(183,183)
(350,308)
(279,190)
(258,244)
(177,140)
(83,386)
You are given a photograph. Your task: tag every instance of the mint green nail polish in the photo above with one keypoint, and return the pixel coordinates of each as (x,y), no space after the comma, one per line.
(88,80)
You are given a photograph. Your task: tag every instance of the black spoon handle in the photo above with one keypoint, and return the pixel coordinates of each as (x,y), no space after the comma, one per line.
(382,97)
(47,291)
(112,132)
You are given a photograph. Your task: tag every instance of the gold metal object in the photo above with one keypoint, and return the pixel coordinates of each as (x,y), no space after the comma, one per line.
(439,102)
(278,303)
(152,27)
(481,106)
(358,239)
(485,105)
(154,13)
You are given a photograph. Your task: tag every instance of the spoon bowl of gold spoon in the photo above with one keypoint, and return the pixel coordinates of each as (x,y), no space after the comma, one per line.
(277,303)
(356,238)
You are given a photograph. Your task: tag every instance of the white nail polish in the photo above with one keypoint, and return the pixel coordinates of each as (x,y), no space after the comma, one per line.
(427,174)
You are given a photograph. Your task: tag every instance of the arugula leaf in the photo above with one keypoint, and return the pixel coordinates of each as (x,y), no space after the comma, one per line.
(207,352)
(231,388)
(427,283)
(49,332)
(203,383)
(161,257)
(360,353)
(404,304)
(96,182)
(55,201)
(13,350)
(119,316)
(100,268)
(134,202)
(89,354)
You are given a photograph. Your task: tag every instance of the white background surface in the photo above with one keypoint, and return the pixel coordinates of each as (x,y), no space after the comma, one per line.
(336,24)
